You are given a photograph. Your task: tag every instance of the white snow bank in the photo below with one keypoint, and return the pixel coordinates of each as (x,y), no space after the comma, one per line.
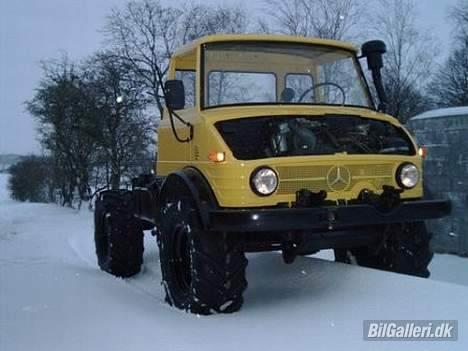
(443,112)
(53,297)
(450,268)
(444,268)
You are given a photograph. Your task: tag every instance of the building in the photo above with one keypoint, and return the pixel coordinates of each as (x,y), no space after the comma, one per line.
(444,132)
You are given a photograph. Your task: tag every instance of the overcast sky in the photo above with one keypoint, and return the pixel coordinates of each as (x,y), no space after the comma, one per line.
(32,30)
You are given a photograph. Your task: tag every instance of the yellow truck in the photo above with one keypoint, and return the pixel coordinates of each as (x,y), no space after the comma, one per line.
(270,143)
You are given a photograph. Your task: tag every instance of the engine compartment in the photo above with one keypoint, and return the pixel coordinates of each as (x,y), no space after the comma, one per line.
(283,136)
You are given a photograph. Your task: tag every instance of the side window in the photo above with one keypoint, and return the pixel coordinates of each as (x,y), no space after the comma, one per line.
(188,78)
(300,83)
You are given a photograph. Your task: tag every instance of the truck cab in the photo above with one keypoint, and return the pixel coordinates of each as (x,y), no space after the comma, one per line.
(299,107)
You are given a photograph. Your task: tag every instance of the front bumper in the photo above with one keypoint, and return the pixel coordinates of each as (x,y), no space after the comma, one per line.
(323,218)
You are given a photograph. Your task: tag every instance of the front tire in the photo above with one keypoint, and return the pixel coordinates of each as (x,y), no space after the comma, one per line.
(203,272)
(405,249)
(118,236)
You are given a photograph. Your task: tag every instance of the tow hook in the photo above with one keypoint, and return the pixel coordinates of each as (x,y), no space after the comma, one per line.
(289,251)
(307,198)
(385,202)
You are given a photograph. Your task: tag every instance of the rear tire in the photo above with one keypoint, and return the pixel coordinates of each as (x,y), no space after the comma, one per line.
(203,272)
(405,249)
(118,236)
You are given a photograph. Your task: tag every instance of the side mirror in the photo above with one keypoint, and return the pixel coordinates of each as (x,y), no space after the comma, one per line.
(175,94)
(373,50)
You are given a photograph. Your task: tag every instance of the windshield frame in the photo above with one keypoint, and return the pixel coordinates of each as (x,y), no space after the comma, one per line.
(353,56)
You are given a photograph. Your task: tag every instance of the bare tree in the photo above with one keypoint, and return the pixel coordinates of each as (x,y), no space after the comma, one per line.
(449,86)
(409,59)
(199,20)
(330,19)
(145,34)
(460,14)
(122,130)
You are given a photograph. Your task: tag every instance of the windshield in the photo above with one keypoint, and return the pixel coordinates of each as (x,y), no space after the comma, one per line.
(263,137)
(286,73)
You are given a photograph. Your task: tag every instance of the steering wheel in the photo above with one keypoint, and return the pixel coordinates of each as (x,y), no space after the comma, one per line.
(315,86)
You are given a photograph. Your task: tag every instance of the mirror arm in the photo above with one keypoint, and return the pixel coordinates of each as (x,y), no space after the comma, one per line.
(172,113)
(189,125)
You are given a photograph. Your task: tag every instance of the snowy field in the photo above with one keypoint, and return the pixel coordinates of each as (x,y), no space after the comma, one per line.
(53,297)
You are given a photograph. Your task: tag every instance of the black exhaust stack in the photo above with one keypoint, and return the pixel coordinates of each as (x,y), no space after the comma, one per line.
(373,50)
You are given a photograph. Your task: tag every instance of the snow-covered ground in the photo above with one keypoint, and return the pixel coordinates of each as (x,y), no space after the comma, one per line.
(53,297)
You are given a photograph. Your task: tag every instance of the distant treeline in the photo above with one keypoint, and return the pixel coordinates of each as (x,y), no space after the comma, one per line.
(8,160)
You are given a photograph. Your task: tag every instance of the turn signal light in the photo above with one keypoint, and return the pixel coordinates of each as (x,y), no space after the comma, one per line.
(422,151)
(217,156)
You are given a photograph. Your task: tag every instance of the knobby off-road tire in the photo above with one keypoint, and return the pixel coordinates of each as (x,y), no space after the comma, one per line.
(203,272)
(405,249)
(118,236)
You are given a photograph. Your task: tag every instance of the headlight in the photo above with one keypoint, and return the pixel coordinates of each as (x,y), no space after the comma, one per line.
(407,176)
(264,181)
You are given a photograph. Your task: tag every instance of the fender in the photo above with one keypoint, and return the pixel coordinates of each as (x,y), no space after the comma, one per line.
(200,190)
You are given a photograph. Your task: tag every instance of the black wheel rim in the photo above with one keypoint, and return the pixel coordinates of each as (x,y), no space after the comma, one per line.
(182,260)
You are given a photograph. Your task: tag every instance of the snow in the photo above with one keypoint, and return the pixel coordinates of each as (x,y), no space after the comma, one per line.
(443,112)
(444,268)
(53,297)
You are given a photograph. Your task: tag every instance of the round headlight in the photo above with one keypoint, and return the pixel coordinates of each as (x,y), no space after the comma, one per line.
(408,176)
(264,181)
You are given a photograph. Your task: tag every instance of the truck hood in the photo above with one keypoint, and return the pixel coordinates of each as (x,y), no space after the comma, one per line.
(232,112)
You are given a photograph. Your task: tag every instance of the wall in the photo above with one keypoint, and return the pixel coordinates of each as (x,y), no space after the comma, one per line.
(446,176)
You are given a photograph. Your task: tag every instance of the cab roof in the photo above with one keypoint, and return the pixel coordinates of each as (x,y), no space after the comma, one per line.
(216,38)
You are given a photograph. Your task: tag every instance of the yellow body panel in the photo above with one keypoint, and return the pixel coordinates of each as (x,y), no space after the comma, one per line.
(230,180)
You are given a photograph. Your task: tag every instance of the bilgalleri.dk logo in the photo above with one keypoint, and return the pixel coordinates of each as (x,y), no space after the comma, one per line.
(410,330)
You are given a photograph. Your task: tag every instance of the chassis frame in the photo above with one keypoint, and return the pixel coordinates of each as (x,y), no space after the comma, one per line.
(309,225)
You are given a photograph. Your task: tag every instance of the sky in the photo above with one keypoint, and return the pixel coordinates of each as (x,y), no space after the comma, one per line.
(34,30)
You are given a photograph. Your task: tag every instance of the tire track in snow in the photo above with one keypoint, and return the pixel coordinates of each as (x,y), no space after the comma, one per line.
(147,282)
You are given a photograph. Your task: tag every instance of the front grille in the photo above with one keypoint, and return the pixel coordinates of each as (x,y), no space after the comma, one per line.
(314,178)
